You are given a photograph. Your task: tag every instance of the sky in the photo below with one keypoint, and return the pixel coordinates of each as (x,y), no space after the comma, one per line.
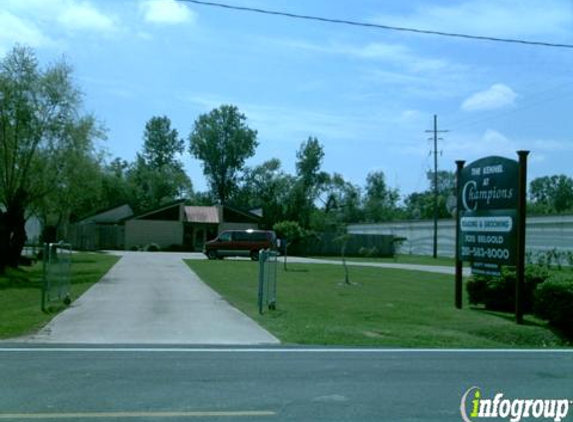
(367,94)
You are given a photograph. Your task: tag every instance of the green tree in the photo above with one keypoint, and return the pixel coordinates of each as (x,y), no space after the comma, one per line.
(223,141)
(157,175)
(268,187)
(343,199)
(116,190)
(421,204)
(288,232)
(161,144)
(552,194)
(309,183)
(38,108)
(80,182)
(381,201)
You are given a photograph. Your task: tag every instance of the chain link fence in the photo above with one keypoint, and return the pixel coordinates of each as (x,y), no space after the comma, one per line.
(57,262)
(267,280)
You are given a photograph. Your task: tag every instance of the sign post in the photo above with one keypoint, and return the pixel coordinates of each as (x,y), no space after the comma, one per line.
(459,262)
(521,211)
(490,223)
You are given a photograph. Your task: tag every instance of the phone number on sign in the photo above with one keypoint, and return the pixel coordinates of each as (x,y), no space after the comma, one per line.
(491,253)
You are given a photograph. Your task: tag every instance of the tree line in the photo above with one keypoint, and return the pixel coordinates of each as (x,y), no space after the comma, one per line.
(51,167)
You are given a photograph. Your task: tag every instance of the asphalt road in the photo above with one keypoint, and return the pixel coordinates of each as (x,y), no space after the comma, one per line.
(276,384)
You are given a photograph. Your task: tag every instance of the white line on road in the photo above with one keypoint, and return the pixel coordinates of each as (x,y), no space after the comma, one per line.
(107,415)
(263,350)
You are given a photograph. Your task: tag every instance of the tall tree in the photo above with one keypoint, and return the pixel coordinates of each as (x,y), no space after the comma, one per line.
(310,181)
(161,144)
(157,175)
(37,109)
(223,141)
(421,204)
(552,194)
(268,187)
(115,186)
(80,179)
(381,201)
(343,199)
(309,160)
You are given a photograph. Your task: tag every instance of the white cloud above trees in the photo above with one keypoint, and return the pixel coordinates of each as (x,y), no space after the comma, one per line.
(166,12)
(495,97)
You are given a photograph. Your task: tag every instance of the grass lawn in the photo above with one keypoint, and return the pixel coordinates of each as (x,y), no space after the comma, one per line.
(401,259)
(20,292)
(384,308)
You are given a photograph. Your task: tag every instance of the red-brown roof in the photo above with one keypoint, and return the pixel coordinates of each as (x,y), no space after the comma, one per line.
(206,215)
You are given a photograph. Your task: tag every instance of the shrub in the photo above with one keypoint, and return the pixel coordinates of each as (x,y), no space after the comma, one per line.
(368,252)
(477,289)
(152,247)
(554,302)
(570,258)
(498,293)
(373,251)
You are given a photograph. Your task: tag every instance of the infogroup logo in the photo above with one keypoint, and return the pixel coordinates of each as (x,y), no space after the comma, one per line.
(474,407)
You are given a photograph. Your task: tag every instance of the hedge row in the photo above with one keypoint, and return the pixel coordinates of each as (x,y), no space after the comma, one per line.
(498,293)
(554,302)
(549,297)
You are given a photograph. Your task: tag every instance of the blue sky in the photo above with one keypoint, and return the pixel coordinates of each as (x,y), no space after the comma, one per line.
(367,94)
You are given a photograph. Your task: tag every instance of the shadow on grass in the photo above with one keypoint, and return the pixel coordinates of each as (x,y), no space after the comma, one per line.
(20,279)
(297,270)
(566,337)
(84,260)
(6,284)
(508,316)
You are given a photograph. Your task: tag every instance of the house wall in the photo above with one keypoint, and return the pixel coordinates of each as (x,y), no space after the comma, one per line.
(93,236)
(163,233)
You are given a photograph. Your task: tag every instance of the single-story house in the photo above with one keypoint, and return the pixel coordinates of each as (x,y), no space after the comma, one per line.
(183,226)
(104,230)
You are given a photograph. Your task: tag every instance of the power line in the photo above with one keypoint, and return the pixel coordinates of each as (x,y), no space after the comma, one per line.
(377,26)
(435,131)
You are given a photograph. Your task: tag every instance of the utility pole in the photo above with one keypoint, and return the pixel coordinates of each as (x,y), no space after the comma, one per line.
(435,131)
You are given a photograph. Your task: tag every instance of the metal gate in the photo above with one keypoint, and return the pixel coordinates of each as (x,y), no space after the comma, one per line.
(57,274)
(267,279)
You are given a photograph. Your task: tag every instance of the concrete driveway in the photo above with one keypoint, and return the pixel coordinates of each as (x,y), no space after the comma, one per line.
(151,298)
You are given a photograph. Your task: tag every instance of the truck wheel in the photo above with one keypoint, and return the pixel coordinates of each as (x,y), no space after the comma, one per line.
(212,254)
(255,255)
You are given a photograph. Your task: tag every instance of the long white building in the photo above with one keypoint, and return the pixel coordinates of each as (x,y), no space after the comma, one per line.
(542,233)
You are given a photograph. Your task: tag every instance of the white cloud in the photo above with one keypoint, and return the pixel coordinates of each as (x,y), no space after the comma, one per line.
(38,17)
(502,18)
(471,147)
(495,97)
(17,30)
(409,116)
(396,54)
(84,16)
(166,11)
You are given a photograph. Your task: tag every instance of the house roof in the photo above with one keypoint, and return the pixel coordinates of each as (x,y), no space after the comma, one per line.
(198,214)
(113,215)
(163,207)
(207,215)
